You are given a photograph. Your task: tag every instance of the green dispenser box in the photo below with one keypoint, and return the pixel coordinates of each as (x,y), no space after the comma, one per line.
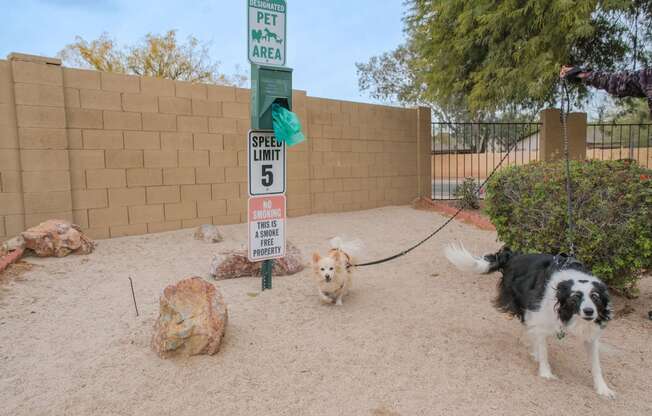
(269,85)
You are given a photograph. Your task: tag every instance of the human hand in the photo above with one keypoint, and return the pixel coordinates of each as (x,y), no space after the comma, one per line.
(565,69)
(570,72)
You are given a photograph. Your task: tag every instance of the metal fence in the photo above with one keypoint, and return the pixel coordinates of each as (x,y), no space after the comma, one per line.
(620,141)
(474,150)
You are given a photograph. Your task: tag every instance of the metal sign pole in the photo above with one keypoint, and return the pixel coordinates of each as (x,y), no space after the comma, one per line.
(271,83)
(268,265)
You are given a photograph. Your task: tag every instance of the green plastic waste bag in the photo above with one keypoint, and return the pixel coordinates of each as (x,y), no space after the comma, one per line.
(287,126)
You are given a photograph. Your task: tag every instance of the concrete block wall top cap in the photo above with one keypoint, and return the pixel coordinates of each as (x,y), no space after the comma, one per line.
(14,56)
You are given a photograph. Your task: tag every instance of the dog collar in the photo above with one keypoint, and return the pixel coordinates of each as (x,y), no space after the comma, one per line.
(564,261)
(348,258)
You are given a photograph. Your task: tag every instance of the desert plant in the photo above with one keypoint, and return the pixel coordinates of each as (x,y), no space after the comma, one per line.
(467,194)
(612,211)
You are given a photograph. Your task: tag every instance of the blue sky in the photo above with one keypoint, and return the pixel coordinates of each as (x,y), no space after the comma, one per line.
(325,38)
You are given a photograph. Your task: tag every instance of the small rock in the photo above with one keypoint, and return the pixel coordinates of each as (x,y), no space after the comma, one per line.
(13,244)
(649,315)
(192,319)
(208,233)
(57,238)
(234,264)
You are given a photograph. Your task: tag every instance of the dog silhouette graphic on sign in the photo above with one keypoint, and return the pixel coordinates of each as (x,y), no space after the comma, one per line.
(269,36)
(257,35)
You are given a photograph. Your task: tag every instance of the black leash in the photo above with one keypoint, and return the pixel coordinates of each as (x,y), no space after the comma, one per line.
(569,191)
(441,227)
(563,115)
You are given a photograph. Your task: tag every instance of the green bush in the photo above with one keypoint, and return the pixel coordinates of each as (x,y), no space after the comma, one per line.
(612,211)
(467,193)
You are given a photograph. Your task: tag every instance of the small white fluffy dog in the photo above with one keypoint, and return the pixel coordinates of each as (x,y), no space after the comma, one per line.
(332,273)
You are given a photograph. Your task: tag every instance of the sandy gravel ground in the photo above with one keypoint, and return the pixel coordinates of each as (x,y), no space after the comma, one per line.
(414,337)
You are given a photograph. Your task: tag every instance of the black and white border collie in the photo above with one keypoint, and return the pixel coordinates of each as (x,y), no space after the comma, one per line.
(551,295)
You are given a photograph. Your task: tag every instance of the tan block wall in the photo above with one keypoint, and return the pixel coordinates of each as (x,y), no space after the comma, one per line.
(642,155)
(122,155)
(147,168)
(362,156)
(424,146)
(476,165)
(12,212)
(551,137)
(39,96)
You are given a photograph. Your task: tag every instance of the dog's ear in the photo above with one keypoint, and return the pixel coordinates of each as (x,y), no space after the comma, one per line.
(504,255)
(316,257)
(337,255)
(565,306)
(603,303)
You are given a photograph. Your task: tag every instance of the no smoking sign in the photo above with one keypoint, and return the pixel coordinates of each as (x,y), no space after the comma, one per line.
(266,227)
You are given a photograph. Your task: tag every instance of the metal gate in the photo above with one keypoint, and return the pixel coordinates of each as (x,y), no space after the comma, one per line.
(473,150)
(605,141)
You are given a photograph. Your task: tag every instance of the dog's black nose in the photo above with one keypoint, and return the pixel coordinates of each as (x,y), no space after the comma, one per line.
(588,311)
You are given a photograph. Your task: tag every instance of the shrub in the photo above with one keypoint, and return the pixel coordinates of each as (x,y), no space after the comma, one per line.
(467,193)
(612,212)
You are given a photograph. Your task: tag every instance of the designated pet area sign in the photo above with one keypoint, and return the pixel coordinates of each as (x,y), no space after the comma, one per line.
(266,32)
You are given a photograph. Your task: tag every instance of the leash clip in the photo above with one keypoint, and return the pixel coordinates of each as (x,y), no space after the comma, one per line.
(562,260)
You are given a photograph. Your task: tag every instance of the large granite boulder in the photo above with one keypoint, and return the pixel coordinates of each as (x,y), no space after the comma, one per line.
(234,264)
(13,244)
(192,319)
(57,238)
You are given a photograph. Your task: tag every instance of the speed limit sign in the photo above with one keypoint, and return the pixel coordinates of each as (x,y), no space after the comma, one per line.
(266,163)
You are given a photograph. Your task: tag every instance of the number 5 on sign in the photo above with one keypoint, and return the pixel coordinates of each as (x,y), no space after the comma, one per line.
(266,164)
(268,175)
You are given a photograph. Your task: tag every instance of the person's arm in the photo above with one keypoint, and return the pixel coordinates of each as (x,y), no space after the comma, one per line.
(620,84)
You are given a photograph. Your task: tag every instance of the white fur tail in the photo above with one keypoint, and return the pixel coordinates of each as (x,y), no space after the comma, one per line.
(351,247)
(465,261)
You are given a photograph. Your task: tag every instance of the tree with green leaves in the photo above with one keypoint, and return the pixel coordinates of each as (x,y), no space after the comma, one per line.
(482,59)
(161,56)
